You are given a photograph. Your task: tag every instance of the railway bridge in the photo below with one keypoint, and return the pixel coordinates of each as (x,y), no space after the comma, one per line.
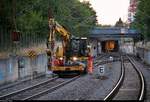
(114,32)
(114,35)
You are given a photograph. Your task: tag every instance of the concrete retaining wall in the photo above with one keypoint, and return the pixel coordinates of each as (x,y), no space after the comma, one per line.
(14,67)
(147,56)
(8,70)
(140,52)
(94,48)
(127,48)
(144,54)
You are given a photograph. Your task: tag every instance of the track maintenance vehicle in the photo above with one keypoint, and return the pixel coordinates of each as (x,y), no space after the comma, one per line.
(71,55)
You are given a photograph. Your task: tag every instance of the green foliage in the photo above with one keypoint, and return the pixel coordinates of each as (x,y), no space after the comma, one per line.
(119,23)
(142,18)
(78,17)
(31,18)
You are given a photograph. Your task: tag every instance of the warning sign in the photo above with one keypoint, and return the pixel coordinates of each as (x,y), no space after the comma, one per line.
(101,70)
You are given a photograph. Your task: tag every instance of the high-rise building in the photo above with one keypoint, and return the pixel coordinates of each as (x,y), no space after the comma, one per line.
(132,10)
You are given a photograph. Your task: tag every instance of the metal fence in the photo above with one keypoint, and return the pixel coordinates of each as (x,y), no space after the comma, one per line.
(27,39)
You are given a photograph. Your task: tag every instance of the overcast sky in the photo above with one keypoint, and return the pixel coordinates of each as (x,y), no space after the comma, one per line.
(109,11)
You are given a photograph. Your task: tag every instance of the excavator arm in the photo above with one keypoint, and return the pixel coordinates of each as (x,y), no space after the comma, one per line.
(54,27)
(62,31)
(65,35)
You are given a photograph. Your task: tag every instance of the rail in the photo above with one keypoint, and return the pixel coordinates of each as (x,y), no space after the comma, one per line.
(118,85)
(51,89)
(114,91)
(27,88)
(141,95)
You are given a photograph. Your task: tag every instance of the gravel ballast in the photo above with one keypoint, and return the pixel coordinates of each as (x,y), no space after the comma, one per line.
(88,87)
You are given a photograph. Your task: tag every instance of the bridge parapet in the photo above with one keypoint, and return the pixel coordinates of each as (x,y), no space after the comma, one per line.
(114,32)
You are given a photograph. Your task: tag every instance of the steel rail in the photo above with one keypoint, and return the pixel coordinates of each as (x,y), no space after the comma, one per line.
(116,88)
(118,85)
(19,82)
(104,61)
(27,88)
(142,80)
(51,89)
(99,57)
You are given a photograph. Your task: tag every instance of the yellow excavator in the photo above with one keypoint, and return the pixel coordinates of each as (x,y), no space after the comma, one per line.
(71,56)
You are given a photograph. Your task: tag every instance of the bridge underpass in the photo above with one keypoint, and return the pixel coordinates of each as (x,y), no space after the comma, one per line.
(100,37)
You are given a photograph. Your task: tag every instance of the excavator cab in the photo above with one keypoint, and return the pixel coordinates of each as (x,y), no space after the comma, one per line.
(79,47)
(79,51)
(75,59)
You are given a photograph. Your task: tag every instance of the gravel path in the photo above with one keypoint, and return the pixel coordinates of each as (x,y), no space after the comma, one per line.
(88,87)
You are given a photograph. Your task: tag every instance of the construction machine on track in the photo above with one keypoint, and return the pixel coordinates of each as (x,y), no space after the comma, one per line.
(71,55)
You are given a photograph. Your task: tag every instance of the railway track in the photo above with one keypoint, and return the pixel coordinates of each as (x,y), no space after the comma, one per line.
(99,58)
(131,84)
(103,59)
(34,91)
(145,70)
(20,84)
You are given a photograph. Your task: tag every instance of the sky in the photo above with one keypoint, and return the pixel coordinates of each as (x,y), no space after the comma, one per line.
(109,11)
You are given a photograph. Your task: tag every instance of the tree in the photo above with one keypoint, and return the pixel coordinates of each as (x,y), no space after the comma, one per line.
(76,16)
(119,23)
(31,18)
(142,18)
